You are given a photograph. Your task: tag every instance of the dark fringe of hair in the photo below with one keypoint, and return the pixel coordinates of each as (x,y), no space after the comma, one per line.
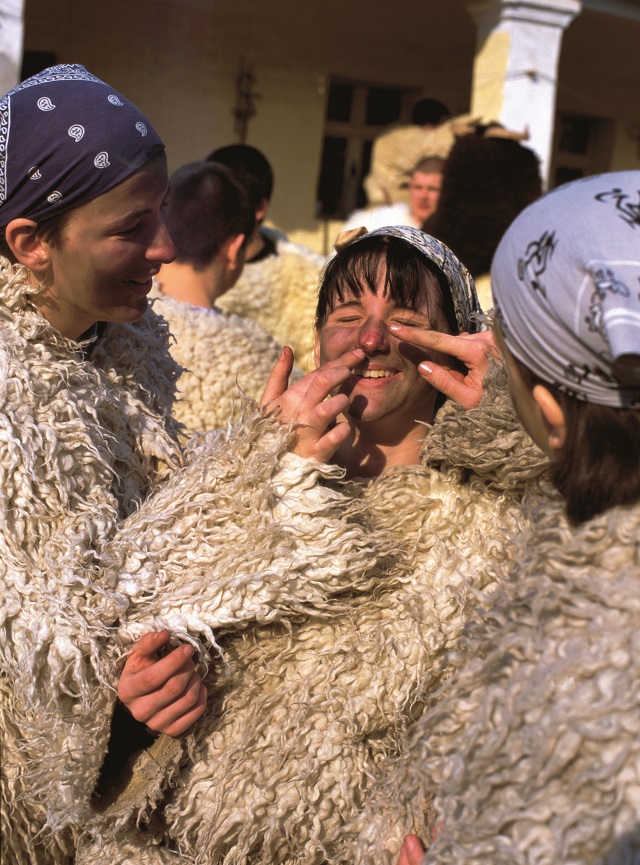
(408,273)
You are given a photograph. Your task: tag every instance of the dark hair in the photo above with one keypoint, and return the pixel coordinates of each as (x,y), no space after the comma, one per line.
(252,167)
(355,269)
(206,206)
(485,184)
(598,467)
(429,111)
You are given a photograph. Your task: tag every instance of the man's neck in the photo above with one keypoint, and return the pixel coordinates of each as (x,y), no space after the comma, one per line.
(183,283)
(256,244)
(374,449)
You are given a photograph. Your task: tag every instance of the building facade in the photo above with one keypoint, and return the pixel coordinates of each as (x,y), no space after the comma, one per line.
(312,84)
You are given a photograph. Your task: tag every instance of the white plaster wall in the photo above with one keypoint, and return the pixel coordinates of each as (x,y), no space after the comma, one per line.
(178,61)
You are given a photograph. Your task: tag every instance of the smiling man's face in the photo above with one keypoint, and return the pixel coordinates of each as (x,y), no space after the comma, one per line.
(387,384)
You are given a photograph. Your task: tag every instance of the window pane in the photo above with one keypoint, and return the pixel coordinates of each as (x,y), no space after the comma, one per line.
(383,105)
(574,135)
(332,171)
(340,101)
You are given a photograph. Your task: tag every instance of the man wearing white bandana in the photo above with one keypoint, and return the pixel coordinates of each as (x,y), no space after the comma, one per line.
(530,754)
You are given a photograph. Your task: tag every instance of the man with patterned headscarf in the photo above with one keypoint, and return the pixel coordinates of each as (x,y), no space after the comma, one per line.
(531,753)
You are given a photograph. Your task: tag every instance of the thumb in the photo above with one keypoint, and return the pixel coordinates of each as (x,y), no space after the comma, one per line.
(278,380)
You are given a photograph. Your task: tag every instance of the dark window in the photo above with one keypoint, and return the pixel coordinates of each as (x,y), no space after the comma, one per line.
(356,112)
(332,172)
(383,106)
(340,102)
(575,133)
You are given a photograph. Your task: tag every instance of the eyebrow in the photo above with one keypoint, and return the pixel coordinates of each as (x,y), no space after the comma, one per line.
(357,302)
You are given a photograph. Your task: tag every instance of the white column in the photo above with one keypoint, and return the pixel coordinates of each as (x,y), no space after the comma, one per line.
(516,65)
(11,42)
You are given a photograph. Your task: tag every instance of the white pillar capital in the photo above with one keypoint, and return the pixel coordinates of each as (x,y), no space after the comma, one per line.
(516,65)
(488,14)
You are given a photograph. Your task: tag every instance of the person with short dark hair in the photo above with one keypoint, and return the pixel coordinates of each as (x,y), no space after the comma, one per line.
(211,217)
(279,283)
(429,113)
(254,173)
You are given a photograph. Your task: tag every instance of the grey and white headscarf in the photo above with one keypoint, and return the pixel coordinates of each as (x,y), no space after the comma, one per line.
(566,285)
(463,291)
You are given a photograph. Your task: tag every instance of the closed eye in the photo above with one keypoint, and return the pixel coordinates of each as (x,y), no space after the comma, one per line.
(129,232)
(411,322)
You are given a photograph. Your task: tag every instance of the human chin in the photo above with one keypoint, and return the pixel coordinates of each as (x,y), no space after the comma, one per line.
(134,309)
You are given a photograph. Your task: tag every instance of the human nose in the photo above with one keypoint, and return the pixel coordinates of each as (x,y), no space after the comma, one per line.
(161,248)
(374,336)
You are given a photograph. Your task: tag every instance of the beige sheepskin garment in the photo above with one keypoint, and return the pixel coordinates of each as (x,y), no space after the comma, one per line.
(224,357)
(304,713)
(532,749)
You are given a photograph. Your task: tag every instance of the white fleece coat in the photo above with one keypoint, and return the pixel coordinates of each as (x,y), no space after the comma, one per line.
(224,357)
(100,508)
(304,714)
(280,292)
(533,749)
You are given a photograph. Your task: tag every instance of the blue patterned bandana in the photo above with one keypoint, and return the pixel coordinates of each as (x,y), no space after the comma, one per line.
(566,286)
(65,138)
(461,284)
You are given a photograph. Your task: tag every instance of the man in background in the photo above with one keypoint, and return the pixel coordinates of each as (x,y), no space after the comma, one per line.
(424,193)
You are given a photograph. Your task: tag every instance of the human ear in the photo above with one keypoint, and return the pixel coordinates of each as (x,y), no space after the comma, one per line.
(235,251)
(316,350)
(552,415)
(261,210)
(27,246)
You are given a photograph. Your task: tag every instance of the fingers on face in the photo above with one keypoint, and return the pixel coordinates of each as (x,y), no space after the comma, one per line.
(348,359)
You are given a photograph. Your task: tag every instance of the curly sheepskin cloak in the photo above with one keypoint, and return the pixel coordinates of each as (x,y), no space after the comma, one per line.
(302,716)
(102,508)
(280,292)
(533,749)
(224,358)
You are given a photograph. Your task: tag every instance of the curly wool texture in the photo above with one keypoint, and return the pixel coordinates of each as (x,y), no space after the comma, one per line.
(533,750)
(305,716)
(224,358)
(81,444)
(307,544)
(280,292)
